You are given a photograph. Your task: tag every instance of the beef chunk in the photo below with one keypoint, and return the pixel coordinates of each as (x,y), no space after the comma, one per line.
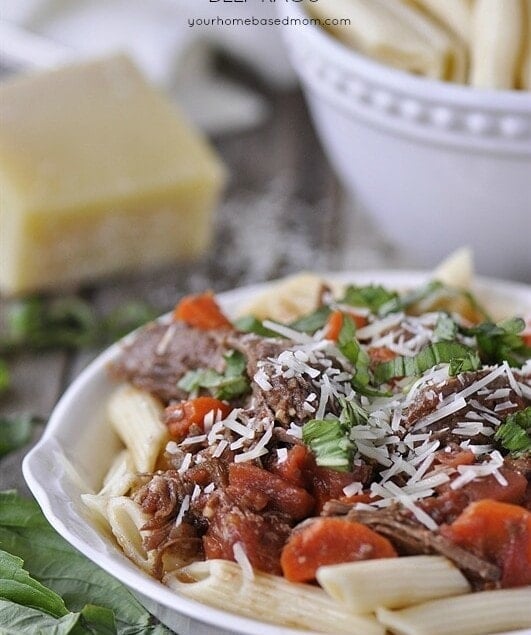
(160,355)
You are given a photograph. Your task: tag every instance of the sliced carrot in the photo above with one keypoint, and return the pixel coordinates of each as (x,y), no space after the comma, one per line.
(500,533)
(330,541)
(182,416)
(453,459)
(201,311)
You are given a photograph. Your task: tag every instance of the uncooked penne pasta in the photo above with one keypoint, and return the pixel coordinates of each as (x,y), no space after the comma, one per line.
(136,417)
(222,584)
(472,614)
(456,15)
(497,43)
(125,519)
(396,34)
(117,482)
(365,585)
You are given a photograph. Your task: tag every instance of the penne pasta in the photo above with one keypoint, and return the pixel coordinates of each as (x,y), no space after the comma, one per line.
(126,519)
(497,43)
(457,270)
(472,614)
(456,15)
(136,417)
(287,300)
(117,482)
(396,34)
(365,585)
(223,584)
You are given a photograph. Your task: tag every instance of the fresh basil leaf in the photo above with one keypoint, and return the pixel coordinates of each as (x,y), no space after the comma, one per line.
(371,297)
(408,300)
(313,321)
(445,329)
(16,585)
(328,440)
(352,350)
(432,355)
(228,385)
(250,324)
(501,342)
(24,532)
(15,432)
(97,620)
(22,620)
(515,432)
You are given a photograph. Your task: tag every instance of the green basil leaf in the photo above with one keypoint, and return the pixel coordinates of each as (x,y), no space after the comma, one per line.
(24,532)
(352,350)
(515,432)
(501,342)
(250,324)
(432,355)
(228,385)
(445,329)
(16,585)
(328,440)
(372,297)
(313,321)
(5,376)
(22,620)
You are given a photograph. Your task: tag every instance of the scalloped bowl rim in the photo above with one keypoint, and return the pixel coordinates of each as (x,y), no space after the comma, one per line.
(105,553)
(507,100)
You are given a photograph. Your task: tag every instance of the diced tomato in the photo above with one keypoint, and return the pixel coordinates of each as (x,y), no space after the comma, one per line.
(201,311)
(182,416)
(381,354)
(330,541)
(283,496)
(357,498)
(490,487)
(453,459)
(328,484)
(260,536)
(295,468)
(500,533)
(334,326)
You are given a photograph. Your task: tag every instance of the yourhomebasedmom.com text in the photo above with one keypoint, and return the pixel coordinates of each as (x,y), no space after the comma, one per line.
(254,21)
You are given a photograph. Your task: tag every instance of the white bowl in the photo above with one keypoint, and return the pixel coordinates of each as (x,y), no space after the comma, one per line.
(438,165)
(78,445)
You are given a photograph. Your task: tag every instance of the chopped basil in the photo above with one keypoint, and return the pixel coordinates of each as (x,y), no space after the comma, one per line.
(228,385)
(445,329)
(501,342)
(328,440)
(371,297)
(352,350)
(313,321)
(515,432)
(251,324)
(406,301)
(454,353)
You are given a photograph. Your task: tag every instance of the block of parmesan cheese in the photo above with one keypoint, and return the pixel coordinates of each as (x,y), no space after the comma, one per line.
(99,173)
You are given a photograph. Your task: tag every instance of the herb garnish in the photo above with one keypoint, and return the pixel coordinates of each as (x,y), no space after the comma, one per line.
(15,432)
(371,297)
(228,385)
(515,432)
(460,357)
(501,342)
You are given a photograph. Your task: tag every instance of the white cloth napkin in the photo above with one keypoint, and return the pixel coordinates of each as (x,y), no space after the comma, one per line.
(157,34)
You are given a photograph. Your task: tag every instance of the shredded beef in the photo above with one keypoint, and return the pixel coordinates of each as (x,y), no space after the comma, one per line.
(150,366)
(443,429)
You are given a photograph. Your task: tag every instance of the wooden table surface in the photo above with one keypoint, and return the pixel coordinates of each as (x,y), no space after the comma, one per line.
(283,211)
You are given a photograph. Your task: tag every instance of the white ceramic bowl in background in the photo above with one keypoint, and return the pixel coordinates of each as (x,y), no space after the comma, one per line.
(78,446)
(437,165)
